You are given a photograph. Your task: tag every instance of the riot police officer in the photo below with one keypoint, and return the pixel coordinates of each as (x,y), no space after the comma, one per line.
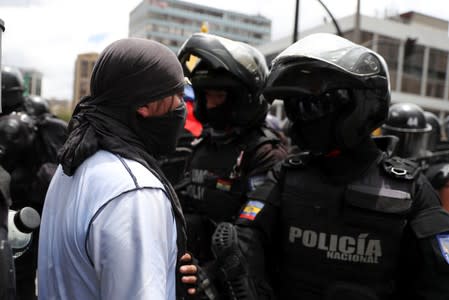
(236,149)
(12,90)
(343,220)
(408,122)
(30,138)
(435,134)
(437,166)
(420,139)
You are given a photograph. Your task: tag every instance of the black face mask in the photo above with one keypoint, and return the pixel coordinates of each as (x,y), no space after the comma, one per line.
(218,117)
(316,136)
(160,134)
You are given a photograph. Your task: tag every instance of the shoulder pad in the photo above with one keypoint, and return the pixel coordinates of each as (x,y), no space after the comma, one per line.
(259,138)
(429,222)
(401,168)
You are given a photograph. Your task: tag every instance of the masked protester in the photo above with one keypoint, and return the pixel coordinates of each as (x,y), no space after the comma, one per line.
(173,165)
(236,149)
(342,220)
(30,137)
(112,226)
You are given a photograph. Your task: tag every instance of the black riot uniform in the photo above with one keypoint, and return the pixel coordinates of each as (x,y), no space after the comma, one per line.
(30,137)
(342,220)
(235,150)
(7,273)
(437,164)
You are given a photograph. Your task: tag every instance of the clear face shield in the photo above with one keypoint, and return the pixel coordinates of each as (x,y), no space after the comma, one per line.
(412,143)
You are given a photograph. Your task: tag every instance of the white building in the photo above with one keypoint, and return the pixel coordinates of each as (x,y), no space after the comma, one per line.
(171,22)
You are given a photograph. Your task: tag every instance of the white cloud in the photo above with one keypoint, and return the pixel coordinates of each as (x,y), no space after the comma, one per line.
(48,34)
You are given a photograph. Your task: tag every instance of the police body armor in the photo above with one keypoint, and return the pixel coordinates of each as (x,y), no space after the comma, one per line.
(367,218)
(219,182)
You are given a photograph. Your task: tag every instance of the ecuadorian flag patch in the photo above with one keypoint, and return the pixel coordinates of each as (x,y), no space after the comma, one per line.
(251,210)
(443,241)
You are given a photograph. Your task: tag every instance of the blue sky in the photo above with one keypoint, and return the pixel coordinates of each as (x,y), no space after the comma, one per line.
(48,34)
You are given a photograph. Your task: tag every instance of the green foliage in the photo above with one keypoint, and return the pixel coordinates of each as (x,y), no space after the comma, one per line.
(64,115)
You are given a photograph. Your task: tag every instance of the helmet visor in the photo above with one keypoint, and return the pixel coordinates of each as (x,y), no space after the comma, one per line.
(411,144)
(307,107)
(336,51)
(308,78)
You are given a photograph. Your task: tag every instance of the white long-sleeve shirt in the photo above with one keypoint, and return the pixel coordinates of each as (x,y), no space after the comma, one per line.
(107,232)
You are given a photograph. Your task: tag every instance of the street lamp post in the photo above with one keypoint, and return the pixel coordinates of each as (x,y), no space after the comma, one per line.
(295,26)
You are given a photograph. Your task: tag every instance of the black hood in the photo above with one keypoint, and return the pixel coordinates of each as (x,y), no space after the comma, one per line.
(128,74)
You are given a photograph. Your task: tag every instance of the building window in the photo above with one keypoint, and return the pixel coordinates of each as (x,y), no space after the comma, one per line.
(412,72)
(389,49)
(38,86)
(84,89)
(436,74)
(84,68)
(92,65)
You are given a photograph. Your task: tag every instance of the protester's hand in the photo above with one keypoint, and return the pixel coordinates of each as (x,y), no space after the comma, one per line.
(189,273)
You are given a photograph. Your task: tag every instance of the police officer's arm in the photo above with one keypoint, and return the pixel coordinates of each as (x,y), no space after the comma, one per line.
(264,158)
(256,229)
(132,244)
(424,262)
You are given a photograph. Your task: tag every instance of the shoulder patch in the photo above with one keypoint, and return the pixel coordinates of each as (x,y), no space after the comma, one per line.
(251,209)
(443,242)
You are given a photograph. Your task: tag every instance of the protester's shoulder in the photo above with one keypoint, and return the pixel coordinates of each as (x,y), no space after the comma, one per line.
(142,175)
(116,170)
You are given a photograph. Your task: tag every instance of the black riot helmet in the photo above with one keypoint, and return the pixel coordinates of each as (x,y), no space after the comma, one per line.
(408,123)
(216,63)
(17,135)
(36,105)
(446,126)
(435,134)
(12,89)
(335,92)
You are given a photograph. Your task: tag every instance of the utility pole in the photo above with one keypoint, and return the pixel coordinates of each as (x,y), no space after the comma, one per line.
(295,27)
(332,17)
(357,35)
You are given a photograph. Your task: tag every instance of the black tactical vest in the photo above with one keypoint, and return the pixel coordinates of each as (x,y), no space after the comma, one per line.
(342,241)
(218,183)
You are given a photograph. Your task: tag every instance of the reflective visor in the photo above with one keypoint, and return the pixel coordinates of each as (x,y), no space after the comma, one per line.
(309,78)
(334,50)
(306,107)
